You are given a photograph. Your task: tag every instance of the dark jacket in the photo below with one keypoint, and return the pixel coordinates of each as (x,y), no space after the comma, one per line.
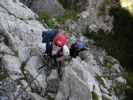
(74,52)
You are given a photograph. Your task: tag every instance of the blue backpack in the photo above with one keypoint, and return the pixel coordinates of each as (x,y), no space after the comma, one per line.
(47,37)
(80,44)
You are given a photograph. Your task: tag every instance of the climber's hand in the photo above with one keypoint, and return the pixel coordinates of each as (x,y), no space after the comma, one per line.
(42,47)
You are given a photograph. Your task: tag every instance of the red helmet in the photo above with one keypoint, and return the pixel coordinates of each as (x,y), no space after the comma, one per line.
(60,39)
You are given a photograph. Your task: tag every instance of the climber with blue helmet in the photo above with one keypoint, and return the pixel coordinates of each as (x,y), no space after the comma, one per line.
(77,47)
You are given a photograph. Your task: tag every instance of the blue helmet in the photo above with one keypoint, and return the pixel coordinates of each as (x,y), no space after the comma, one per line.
(80,44)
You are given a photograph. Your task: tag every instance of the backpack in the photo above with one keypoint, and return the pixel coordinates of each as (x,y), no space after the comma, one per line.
(72,37)
(47,37)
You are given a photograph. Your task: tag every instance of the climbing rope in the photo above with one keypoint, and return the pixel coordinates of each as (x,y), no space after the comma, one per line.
(47,67)
(40,69)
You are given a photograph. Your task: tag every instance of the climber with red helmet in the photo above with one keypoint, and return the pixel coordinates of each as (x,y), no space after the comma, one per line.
(54,43)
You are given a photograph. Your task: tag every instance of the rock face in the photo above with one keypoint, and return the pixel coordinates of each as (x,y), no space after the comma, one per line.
(92,76)
(27,2)
(12,64)
(17,20)
(51,7)
(94,14)
(90,79)
(78,5)
(20,33)
(94,17)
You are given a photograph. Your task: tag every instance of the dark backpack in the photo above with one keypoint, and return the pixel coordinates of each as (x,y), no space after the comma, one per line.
(47,37)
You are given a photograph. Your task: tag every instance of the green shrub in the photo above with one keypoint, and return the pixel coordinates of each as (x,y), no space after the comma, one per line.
(52,22)
(44,18)
(130,78)
(102,8)
(99,79)
(69,14)
(71,4)
(23,65)
(18,81)
(3,75)
(94,96)
(105,98)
